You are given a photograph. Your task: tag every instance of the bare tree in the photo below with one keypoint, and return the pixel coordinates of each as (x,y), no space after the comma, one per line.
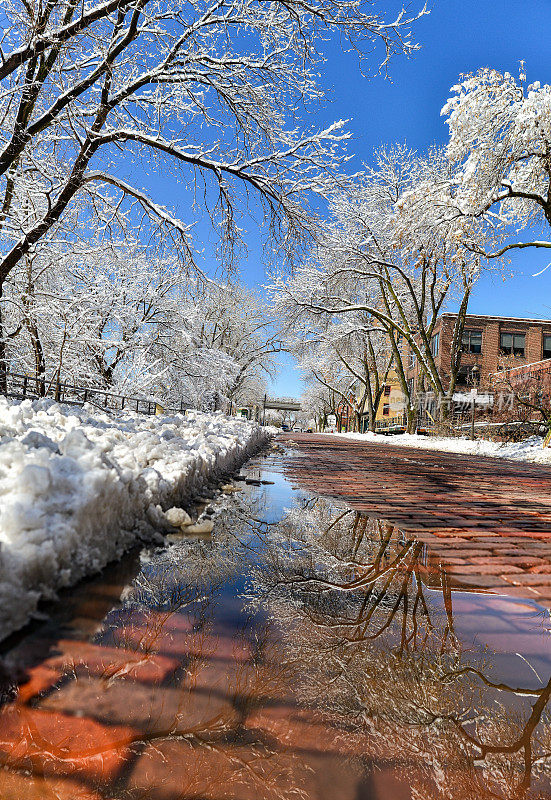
(352,359)
(396,255)
(206,88)
(109,315)
(318,401)
(528,392)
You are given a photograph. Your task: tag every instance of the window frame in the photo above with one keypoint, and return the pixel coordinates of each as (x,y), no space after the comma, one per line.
(544,349)
(511,350)
(435,344)
(468,333)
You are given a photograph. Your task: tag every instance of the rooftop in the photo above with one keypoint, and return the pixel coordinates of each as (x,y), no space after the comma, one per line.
(492,317)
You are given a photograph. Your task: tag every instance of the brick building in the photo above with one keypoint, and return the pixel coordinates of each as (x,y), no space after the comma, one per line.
(490,343)
(391,406)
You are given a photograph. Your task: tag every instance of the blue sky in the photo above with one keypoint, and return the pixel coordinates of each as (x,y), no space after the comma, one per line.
(458,36)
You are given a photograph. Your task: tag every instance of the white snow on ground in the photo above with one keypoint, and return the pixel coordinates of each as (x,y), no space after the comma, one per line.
(78,487)
(529,450)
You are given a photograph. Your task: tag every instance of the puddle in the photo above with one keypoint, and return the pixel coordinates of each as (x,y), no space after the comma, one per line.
(303,651)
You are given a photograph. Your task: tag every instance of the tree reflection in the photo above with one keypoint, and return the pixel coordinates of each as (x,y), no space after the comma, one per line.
(367,623)
(184,694)
(169,691)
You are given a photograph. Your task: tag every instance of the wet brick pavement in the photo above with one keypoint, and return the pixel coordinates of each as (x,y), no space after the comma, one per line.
(92,722)
(156,707)
(487,519)
(162,705)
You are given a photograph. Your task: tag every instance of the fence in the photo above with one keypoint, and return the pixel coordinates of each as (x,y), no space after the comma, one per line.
(27,386)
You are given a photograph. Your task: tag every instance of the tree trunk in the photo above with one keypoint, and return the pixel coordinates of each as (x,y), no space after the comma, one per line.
(411,419)
(39,360)
(3,355)
(444,404)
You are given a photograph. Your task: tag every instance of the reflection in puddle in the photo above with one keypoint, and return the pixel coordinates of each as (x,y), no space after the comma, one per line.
(304,651)
(379,639)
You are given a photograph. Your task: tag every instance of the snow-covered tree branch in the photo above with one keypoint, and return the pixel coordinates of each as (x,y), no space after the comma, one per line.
(500,148)
(210,85)
(134,326)
(394,256)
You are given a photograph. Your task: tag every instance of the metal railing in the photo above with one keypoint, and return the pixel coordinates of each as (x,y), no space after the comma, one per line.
(24,387)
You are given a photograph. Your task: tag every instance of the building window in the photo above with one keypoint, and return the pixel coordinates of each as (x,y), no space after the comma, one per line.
(411,387)
(411,361)
(435,344)
(471,341)
(547,345)
(386,410)
(512,344)
(387,391)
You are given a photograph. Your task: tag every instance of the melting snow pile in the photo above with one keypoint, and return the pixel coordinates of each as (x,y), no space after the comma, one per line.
(77,488)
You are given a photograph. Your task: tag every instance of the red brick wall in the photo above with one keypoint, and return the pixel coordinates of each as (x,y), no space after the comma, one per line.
(534,343)
(490,349)
(489,360)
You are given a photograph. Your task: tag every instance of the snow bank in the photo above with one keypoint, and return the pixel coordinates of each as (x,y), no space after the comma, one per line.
(78,487)
(529,450)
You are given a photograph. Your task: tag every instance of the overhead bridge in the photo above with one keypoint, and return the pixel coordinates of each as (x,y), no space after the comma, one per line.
(281,403)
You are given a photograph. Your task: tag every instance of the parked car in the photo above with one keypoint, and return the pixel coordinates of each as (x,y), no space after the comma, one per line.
(285,428)
(297,429)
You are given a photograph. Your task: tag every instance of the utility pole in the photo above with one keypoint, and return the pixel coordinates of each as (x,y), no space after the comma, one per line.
(474,378)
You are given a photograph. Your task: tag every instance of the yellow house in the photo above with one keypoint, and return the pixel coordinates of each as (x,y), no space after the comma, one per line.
(390,410)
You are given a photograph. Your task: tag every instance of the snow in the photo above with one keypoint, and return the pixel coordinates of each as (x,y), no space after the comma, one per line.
(78,488)
(529,450)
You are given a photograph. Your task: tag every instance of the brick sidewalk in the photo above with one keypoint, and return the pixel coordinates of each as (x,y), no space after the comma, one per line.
(197,716)
(489,519)
(170,704)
